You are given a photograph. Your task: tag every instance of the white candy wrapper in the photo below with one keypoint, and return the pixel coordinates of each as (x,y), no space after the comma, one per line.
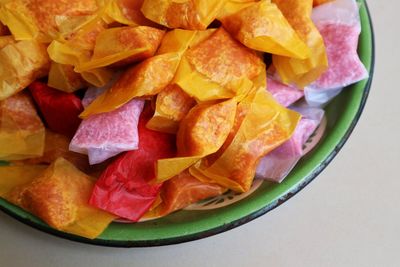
(286,95)
(106,135)
(277,165)
(340,27)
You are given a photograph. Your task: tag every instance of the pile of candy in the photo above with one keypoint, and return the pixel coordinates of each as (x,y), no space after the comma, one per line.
(138,108)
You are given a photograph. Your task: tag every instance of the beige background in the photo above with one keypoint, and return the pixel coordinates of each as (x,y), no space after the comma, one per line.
(349,216)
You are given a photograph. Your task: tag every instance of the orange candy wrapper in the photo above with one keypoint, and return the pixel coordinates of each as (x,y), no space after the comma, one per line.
(193,14)
(301,72)
(201,133)
(64,78)
(172,105)
(262,26)
(59,196)
(22,134)
(21,63)
(261,125)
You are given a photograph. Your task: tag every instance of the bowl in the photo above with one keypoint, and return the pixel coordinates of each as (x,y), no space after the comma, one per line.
(213,217)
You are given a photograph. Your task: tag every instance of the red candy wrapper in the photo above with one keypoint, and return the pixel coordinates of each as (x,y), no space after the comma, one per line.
(126,188)
(60,110)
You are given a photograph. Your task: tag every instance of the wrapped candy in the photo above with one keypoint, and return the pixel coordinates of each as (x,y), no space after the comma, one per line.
(320,2)
(286,95)
(125,12)
(22,134)
(59,196)
(261,26)
(106,135)
(339,25)
(57,146)
(182,191)
(122,46)
(21,63)
(64,78)
(278,164)
(146,79)
(301,72)
(201,133)
(184,14)
(172,105)
(30,19)
(218,68)
(127,187)
(60,110)
(6,40)
(261,125)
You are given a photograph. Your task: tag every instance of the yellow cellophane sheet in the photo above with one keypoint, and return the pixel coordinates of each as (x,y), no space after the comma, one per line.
(302,72)
(59,196)
(64,78)
(261,125)
(262,26)
(21,63)
(194,14)
(22,134)
(320,2)
(201,133)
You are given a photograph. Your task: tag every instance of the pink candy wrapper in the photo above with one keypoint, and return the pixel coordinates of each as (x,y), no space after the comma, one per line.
(278,164)
(106,135)
(340,27)
(284,94)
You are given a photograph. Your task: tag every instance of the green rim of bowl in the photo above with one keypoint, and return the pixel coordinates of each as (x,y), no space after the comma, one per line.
(200,224)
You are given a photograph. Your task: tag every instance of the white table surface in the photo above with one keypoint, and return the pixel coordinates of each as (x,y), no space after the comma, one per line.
(349,216)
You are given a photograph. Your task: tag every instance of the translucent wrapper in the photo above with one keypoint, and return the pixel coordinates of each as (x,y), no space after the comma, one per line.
(184,14)
(21,63)
(261,125)
(219,67)
(125,12)
(182,191)
(77,48)
(59,196)
(3,30)
(320,2)
(59,109)
(33,19)
(122,46)
(301,72)
(120,134)
(57,146)
(262,26)
(64,78)
(201,133)
(22,134)
(172,105)
(340,27)
(127,187)
(6,40)
(278,164)
(147,78)
(286,95)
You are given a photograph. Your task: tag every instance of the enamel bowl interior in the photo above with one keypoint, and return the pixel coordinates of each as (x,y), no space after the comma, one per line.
(342,114)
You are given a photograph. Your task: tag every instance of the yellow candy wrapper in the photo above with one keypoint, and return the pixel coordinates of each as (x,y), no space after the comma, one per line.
(320,2)
(57,146)
(184,14)
(21,63)
(78,49)
(32,19)
(201,133)
(172,105)
(261,125)
(22,134)
(6,40)
(301,72)
(261,26)
(122,46)
(147,78)
(125,12)
(218,68)
(64,78)
(60,196)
